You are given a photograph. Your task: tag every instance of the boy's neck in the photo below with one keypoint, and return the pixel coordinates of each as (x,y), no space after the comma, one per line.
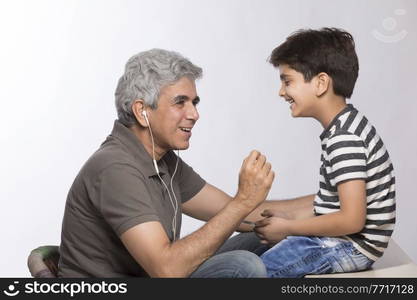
(329,108)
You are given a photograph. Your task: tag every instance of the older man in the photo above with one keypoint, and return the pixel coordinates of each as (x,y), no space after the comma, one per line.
(123,211)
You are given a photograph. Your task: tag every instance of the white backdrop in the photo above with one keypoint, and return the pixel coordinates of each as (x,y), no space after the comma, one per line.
(59,65)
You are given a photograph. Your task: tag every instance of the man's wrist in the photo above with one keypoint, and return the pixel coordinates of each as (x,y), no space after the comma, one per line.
(242,205)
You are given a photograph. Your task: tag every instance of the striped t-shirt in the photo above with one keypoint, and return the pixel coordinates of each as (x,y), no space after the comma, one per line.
(351,149)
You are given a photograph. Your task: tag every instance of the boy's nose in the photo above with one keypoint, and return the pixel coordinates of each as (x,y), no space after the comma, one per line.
(281,91)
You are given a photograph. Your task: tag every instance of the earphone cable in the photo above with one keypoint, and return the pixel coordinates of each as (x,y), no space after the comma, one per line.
(173,203)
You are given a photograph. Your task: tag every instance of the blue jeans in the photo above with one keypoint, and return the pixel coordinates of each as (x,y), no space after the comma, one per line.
(297,256)
(237,258)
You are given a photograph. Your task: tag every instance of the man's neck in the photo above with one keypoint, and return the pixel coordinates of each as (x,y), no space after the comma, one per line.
(144,137)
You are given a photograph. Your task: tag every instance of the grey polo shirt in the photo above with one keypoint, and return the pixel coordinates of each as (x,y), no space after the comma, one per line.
(116,189)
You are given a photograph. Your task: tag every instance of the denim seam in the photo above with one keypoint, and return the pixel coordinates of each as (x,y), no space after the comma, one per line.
(299,263)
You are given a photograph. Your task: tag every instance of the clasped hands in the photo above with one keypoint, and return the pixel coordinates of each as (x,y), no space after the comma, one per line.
(273,228)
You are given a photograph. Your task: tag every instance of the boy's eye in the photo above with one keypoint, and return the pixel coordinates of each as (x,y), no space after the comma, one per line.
(287,82)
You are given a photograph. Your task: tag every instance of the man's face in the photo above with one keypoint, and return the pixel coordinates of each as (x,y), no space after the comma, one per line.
(175,116)
(298,93)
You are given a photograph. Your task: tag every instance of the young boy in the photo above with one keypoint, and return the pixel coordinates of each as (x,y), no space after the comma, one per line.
(350,220)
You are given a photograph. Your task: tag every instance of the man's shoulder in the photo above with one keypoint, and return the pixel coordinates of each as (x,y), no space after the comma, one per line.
(109,154)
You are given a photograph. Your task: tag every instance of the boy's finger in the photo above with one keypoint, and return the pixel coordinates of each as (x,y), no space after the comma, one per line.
(266,213)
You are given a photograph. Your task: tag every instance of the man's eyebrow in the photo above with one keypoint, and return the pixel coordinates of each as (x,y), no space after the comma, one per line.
(185,98)
(180,98)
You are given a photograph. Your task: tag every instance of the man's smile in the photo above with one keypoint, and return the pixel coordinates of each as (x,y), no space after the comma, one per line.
(186,129)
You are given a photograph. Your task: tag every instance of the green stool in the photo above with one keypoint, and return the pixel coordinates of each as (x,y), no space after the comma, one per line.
(43,262)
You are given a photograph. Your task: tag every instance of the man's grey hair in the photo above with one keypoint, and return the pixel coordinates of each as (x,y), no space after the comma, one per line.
(146,73)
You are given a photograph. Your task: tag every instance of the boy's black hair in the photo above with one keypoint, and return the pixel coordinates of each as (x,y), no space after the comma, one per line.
(329,50)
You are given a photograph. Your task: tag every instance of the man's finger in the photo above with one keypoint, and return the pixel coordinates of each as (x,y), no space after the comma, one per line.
(261,161)
(253,156)
(267,168)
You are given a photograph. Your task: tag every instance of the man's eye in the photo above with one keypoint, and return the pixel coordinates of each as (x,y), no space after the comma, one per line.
(287,82)
(195,102)
(179,102)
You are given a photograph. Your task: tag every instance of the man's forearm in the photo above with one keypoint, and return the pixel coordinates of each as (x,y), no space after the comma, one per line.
(182,257)
(186,254)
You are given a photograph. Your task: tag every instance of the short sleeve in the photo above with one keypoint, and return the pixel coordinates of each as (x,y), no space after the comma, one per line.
(346,157)
(124,200)
(190,182)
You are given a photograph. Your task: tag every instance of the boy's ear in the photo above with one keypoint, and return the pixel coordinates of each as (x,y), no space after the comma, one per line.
(323,83)
(137,107)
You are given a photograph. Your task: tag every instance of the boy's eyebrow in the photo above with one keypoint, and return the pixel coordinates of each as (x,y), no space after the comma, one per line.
(284,76)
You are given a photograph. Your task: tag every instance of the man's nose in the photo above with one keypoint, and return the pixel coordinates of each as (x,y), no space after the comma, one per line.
(192,112)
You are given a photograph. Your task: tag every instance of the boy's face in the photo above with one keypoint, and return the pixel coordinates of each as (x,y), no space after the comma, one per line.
(299,94)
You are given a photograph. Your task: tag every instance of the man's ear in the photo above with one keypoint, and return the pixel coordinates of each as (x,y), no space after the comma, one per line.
(138,107)
(323,83)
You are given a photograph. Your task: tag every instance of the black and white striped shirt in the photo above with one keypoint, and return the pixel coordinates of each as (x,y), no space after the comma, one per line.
(351,149)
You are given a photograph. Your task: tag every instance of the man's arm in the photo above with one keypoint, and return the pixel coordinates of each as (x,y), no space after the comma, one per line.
(210,200)
(151,248)
(349,219)
(208,203)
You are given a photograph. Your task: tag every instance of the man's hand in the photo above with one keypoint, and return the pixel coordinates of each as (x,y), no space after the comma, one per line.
(255,179)
(272,230)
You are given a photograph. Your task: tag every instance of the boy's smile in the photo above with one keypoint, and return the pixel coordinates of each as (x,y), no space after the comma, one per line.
(297,92)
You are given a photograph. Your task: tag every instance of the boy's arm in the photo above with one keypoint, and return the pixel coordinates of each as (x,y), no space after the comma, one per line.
(297,208)
(350,219)
(211,200)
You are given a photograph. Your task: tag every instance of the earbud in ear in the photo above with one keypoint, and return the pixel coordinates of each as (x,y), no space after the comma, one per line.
(145,115)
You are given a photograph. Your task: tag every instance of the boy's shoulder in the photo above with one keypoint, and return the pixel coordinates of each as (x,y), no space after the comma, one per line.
(348,125)
(341,135)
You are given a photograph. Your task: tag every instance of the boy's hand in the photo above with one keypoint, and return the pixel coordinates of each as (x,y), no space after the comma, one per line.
(276,213)
(272,230)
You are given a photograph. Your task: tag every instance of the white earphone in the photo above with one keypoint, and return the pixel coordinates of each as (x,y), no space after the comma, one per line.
(174,203)
(153,146)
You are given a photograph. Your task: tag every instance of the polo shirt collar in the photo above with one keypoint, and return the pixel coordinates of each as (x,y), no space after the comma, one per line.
(135,147)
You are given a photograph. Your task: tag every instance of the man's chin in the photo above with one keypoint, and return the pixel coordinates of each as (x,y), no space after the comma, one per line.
(183,146)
